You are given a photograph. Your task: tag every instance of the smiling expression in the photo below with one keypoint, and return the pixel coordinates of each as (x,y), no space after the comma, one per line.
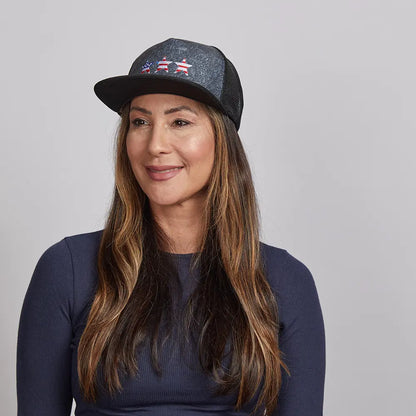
(171,146)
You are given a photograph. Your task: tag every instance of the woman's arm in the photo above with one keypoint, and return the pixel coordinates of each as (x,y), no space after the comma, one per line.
(302,340)
(44,338)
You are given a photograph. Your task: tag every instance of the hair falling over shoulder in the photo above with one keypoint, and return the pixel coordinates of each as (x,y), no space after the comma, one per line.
(236,306)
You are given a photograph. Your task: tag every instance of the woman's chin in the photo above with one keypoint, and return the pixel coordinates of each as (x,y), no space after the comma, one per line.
(188,198)
(165,201)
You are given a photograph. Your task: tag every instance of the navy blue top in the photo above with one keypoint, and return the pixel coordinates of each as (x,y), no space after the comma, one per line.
(54,315)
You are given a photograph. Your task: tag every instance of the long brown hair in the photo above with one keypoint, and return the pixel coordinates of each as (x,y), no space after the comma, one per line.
(236,306)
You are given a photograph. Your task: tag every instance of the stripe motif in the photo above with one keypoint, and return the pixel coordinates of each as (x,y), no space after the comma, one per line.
(182,67)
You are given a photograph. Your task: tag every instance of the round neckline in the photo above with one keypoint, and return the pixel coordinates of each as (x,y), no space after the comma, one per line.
(180,255)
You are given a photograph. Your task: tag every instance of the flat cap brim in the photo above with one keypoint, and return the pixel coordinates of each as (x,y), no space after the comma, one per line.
(115,92)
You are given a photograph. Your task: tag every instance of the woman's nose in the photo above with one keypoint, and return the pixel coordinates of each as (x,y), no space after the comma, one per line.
(159,140)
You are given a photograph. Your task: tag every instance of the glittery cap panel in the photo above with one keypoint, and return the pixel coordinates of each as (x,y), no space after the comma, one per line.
(207,63)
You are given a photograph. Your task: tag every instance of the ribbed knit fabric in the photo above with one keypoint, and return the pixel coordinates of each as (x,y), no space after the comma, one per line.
(53,318)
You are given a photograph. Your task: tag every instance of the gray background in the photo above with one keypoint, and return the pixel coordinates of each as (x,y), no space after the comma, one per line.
(328,125)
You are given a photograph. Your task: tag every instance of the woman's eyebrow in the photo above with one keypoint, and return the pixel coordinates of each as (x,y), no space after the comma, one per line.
(180,108)
(170,111)
(141,109)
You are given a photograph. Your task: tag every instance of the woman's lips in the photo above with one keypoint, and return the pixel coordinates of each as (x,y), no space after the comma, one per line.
(163,173)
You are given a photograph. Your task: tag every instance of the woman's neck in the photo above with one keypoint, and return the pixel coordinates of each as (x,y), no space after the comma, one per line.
(182,224)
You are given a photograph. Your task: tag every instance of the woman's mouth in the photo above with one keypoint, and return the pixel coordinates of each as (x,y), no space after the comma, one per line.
(165,170)
(163,174)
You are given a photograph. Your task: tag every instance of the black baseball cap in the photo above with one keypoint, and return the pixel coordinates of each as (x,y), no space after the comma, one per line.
(180,67)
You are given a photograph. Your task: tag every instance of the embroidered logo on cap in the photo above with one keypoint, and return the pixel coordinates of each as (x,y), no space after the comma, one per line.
(163,64)
(146,67)
(182,67)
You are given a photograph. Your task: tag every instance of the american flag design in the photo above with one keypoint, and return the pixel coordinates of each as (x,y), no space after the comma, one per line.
(163,65)
(146,67)
(182,67)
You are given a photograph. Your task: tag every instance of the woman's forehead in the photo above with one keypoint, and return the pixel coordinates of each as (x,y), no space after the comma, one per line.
(165,103)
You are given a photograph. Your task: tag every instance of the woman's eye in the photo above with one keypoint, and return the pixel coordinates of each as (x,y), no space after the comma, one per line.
(138,122)
(180,123)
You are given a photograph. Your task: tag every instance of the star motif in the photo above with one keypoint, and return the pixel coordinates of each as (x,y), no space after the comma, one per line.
(182,67)
(146,67)
(163,64)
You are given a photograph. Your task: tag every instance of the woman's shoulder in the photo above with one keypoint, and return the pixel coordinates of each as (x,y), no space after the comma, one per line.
(75,246)
(78,251)
(277,259)
(69,266)
(288,276)
(84,246)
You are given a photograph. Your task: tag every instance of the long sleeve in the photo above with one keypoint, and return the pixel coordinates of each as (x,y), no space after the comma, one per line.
(44,338)
(302,341)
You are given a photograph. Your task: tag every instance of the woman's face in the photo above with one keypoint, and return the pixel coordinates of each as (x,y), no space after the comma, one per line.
(170,145)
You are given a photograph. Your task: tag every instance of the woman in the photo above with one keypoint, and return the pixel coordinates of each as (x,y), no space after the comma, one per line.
(176,307)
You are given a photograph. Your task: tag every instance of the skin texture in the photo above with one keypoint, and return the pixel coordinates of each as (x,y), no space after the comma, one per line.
(168,129)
